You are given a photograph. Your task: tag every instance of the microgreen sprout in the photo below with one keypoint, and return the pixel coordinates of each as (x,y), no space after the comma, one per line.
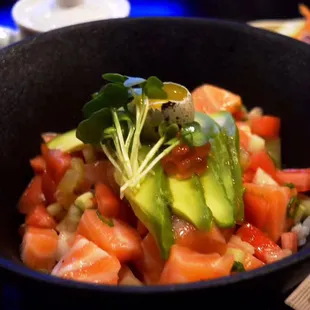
(109,124)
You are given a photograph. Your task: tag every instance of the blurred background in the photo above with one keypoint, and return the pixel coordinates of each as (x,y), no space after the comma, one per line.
(241,10)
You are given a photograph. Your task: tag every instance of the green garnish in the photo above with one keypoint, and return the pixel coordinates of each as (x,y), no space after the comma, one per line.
(111,96)
(112,125)
(237,267)
(193,135)
(105,221)
(292,207)
(114,78)
(290,185)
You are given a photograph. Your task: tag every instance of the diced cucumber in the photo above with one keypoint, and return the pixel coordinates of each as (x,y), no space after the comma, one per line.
(300,213)
(256,144)
(54,209)
(273,147)
(255,112)
(306,204)
(85,201)
(263,178)
(66,142)
(238,254)
(71,220)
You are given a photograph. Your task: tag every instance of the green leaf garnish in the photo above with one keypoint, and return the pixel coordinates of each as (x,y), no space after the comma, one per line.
(111,96)
(193,136)
(169,131)
(290,185)
(154,88)
(115,78)
(109,222)
(90,130)
(238,267)
(114,120)
(292,207)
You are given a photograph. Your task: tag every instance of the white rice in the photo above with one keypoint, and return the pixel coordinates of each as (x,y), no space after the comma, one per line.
(303,231)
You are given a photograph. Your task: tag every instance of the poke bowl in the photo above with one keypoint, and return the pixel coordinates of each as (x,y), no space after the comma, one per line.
(155,158)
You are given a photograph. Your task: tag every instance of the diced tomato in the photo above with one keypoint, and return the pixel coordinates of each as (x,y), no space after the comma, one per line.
(204,242)
(32,196)
(266,126)
(185,265)
(49,188)
(151,264)
(299,177)
(142,230)
(266,208)
(57,163)
(240,115)
(113,236)
(248,176)
(210,99)
(86,262)
(265,249)
(108,202)
(126,214)
(101,172)
(39,217)
(289,241)
(262,160)
(251,262)
(38,164)
(181,227)
(126,277)
(39,248)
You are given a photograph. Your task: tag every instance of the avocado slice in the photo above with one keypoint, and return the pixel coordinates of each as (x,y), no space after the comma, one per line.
(231,135)
(189,203)
(222,181)
(150,205)
(66,142)
(217,184)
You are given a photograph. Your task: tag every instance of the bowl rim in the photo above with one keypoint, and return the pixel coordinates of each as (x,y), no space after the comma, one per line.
(18,269)
(17,9)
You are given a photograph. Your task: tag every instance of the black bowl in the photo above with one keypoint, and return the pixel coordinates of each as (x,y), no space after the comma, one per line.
(45,81)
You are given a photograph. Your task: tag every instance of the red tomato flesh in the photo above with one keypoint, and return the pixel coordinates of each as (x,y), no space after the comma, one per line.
(38,164)
(266,126)
(262,160)
(265,249)
(40,218)
(108,202)
(57,163)
(299,177)
(32,196)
